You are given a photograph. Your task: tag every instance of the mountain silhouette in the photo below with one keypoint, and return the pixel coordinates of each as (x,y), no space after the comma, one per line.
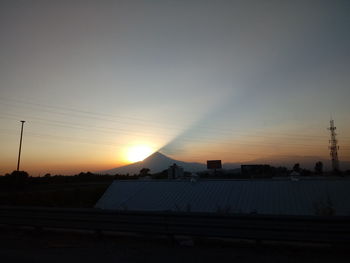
(157,162)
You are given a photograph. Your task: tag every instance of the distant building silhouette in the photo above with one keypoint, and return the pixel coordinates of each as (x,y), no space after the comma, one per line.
(175,172)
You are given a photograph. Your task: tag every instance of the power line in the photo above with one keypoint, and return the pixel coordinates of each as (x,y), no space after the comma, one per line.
(149,123)
(113,130)
(193,139)
(116,145)
(183,138)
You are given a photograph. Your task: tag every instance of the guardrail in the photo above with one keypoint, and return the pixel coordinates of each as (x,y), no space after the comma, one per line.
(330,229)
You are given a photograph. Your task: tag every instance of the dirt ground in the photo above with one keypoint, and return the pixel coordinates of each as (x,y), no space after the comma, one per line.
(49,246)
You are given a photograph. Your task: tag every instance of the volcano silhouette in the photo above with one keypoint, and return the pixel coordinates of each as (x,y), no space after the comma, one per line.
(157,162)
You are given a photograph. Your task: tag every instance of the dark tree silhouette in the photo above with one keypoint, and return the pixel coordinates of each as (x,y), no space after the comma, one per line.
(296,167)
(17,177)
(319,168)
(19,174)
(144,171)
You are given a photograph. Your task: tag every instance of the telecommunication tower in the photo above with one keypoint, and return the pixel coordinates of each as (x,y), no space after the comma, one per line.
(333,147)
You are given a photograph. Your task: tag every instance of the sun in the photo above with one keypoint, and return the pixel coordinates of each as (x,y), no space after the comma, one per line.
(138,153)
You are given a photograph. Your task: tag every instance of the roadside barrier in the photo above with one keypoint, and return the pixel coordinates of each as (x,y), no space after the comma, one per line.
(320,229)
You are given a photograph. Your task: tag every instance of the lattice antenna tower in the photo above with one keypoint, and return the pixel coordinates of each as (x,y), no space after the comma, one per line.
(333,147)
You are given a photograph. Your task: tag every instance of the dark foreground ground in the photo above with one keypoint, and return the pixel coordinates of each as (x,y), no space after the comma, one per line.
(48,246)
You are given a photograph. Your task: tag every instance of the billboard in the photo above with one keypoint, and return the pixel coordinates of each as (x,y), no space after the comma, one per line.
(214,164)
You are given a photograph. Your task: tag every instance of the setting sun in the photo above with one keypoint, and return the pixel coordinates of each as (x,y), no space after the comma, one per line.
(138,153)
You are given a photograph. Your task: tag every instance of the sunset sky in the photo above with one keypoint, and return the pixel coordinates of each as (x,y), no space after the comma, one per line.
(197,80)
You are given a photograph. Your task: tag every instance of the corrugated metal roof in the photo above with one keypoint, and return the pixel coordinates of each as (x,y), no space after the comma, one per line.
(281,197)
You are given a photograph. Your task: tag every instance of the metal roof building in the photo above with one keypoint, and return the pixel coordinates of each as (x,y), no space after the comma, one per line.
(274,197)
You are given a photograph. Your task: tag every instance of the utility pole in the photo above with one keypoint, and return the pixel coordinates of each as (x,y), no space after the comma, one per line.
(334,147)
(20,146)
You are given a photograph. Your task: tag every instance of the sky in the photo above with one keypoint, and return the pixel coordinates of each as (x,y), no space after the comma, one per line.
(196,80)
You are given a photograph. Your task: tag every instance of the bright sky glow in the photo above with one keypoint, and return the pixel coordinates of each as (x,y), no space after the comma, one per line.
(139,153)
(198,79)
